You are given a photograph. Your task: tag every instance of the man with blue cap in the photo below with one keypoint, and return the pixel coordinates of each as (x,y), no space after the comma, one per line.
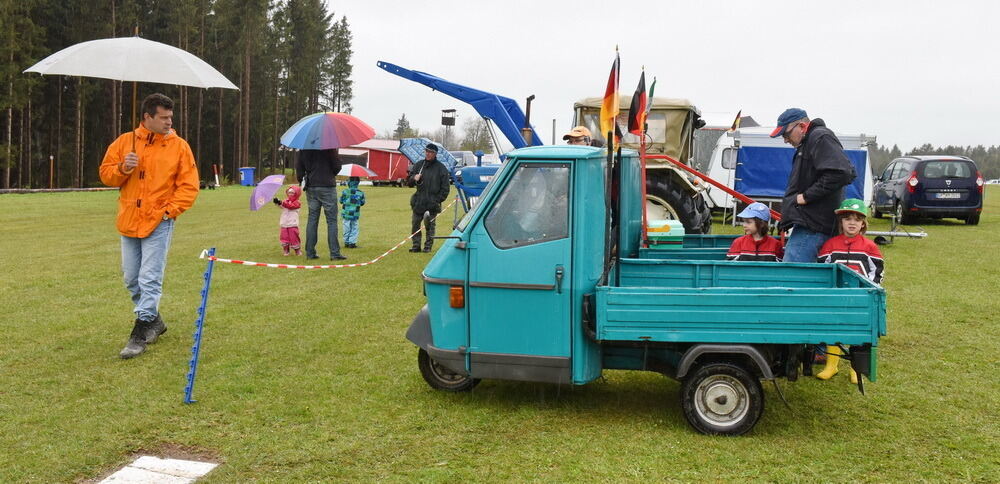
(820,171)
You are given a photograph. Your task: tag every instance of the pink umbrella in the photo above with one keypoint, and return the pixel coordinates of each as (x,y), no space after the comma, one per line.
(351,169)
(265,190)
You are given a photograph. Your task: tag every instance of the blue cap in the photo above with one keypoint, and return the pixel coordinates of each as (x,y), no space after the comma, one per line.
(756,210)
(788,117)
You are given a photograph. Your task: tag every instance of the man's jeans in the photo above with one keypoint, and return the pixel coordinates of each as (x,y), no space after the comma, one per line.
(803,245)
(143,263)
(350,231)
(325,197)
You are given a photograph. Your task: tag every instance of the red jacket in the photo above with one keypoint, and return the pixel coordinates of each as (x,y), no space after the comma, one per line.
(858,253)
(746,248)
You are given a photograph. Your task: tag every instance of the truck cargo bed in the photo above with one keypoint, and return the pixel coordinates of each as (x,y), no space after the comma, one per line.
(739,302)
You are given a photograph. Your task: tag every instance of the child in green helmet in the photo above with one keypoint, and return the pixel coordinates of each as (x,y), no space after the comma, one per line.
(851,248)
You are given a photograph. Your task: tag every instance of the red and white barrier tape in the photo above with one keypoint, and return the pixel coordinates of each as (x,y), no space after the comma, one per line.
(204,255)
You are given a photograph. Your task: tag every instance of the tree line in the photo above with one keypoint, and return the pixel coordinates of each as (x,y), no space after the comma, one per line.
(474,135)
(289,58)
(986,158)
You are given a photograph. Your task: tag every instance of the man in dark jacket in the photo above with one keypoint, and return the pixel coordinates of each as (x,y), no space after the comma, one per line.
(433,183)
(319,168)
(820,171)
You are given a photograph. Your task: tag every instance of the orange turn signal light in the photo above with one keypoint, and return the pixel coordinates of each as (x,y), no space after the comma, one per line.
(456,296)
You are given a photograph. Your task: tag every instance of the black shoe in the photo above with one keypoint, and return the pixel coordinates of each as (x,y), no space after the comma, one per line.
(427,249)
(338,257)
(350,246)
(155,329)
(310,257)
(415,249)
(136,341)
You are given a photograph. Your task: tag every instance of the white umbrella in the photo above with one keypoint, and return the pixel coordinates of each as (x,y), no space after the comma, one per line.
(132,59)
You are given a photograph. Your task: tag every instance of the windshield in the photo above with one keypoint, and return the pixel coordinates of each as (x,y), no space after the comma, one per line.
(474,201)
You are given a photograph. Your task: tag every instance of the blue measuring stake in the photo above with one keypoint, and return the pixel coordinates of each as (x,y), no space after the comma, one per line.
(198,325)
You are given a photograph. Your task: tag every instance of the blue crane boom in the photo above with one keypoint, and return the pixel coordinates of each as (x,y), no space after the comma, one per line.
(503,111)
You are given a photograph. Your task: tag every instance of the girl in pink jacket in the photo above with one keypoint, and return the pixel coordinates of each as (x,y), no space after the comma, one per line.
(289,220)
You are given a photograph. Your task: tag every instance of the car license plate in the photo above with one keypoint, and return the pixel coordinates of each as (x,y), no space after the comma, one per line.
(949,195)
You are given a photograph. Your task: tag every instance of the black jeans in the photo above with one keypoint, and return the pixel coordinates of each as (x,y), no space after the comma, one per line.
(325,198)
(429,225)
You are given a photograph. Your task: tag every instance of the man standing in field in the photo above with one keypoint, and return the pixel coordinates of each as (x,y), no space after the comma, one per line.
(820,171)
(433,183)
(158,180)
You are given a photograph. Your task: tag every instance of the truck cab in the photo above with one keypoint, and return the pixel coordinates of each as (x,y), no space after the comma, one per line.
(546,280)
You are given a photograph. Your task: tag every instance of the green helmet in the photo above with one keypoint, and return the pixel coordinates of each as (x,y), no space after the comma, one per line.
(853,205)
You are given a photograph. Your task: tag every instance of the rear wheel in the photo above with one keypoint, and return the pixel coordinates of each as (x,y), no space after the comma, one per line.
(901,216)
(875,212)
(668,199)
(972,219)
(722,398)
(441,378)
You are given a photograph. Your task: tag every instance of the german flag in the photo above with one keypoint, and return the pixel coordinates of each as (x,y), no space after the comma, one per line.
(736,122)
(609,108)
(637,110)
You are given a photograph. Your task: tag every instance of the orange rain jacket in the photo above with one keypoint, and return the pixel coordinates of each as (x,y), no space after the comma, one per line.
(164,183)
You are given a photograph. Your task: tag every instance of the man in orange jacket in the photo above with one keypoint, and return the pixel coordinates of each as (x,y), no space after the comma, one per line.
(158,180)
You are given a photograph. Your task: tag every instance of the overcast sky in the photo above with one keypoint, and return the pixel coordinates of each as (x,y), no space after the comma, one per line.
(908,72)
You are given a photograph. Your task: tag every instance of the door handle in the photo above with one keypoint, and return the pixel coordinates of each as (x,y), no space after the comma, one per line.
(559,278)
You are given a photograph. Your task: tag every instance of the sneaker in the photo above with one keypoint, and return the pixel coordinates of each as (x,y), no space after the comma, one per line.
(155,329)
(312,257)
(415,249)
(338,257)
(298,252)
(136,341)
(427,249)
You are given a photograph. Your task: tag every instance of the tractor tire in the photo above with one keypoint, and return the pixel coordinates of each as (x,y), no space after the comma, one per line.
(669,199)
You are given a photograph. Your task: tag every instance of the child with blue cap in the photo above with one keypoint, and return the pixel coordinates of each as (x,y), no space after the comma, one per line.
(756,245)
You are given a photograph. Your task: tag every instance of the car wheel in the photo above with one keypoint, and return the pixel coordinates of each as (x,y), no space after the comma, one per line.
(722,399)
(972,219)
(441,378)
(875,212)
(901,216)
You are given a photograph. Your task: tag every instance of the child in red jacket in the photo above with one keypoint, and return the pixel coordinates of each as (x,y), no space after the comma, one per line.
(756,245)
(851,248)
(289,220)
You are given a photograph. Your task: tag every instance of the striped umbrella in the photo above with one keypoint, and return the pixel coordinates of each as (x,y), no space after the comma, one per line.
(351,169)
(323,131)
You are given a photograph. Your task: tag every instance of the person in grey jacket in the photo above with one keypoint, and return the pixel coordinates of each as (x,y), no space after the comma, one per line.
(820,171)
(433,183)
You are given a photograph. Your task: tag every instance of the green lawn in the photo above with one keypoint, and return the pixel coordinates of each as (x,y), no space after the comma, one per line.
(306,375)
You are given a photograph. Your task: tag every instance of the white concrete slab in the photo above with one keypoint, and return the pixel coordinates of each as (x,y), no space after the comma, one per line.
(154,470)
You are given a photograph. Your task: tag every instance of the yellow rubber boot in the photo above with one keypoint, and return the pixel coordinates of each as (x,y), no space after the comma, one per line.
(832,359)
(854,376)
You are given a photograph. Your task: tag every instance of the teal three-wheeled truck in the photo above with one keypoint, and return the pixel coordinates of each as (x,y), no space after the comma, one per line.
(546,280)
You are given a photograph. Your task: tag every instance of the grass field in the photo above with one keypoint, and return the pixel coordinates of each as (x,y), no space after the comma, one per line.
(306,375)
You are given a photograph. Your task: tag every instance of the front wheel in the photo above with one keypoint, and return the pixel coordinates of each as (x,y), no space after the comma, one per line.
(722,399)
(441,378)
(875,212)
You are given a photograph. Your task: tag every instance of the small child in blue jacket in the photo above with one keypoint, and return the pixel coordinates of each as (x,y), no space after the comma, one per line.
(351,201)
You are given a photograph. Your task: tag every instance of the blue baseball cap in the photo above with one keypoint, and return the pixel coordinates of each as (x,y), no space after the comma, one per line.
(756,210)
(788,117)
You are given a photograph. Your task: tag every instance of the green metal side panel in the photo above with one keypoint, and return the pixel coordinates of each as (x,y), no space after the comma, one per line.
(685,254)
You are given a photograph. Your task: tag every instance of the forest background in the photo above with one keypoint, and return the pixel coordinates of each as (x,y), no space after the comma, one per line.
(290,58)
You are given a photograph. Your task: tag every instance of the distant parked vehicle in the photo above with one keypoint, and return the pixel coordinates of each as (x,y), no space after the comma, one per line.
(995,181)
(930,186)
